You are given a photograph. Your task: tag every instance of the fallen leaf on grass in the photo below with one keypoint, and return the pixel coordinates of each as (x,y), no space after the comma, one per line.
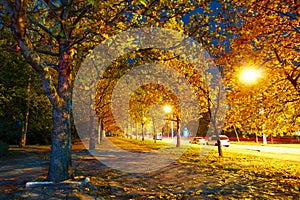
(141,189)
(199,192)
(159,186)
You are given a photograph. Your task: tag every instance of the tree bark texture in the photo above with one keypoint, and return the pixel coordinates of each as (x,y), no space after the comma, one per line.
(60,167)
(59,92)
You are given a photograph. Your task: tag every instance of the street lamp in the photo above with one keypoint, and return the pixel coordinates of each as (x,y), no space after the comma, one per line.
(251,76)
(168,110)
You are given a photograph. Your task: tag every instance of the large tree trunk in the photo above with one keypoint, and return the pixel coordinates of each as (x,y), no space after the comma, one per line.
(60,167)
(92,137)
(59,93)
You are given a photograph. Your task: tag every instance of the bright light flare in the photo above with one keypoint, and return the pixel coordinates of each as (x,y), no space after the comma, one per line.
(250,75)
(167,108)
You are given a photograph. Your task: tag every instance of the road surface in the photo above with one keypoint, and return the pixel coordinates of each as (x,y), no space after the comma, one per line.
(292,149)
(281,151)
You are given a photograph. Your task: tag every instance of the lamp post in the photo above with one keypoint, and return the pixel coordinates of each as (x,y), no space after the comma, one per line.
(250,76)
(168,109)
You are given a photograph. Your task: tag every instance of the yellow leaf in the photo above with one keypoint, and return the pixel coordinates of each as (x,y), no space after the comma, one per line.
(199,192)
(105,35)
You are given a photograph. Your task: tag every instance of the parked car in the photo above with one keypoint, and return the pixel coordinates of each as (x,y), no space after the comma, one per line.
(199,140)
(223,139)
(158,136)
(109,134)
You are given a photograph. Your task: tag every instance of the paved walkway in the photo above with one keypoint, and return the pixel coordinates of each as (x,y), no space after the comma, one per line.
(16,171)
(32,165)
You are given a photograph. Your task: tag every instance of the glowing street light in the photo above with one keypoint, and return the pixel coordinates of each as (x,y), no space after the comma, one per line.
(175,117)
(168,110)
(250,75)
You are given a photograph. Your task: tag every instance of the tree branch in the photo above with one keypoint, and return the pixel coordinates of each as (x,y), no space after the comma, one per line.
(50,64)
(276,11)
(41,26)
(29,54)
(9,48)
(46,52)
(80,16)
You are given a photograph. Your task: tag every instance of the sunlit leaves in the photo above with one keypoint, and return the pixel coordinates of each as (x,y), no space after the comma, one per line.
(145,97)
(266,37)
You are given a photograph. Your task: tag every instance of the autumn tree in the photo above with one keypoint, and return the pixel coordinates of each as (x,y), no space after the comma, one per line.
(266,40)
(25,111)
(144,98)
(147,97)
(50,37)
(54,37)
